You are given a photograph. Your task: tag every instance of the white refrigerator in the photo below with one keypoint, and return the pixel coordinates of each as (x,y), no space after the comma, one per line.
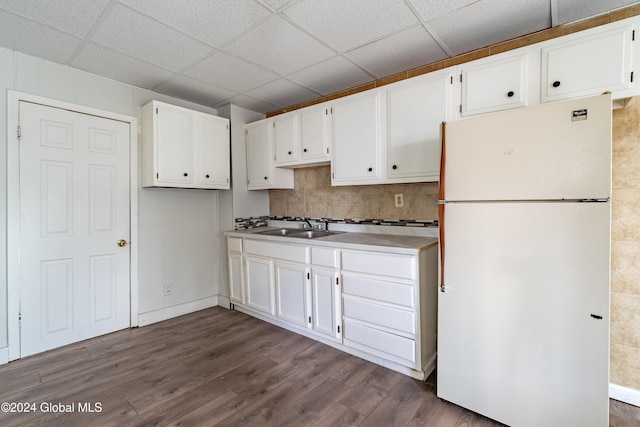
(523,307)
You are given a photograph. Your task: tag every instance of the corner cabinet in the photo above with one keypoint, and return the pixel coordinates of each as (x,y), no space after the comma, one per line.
(261,171)
(183,148)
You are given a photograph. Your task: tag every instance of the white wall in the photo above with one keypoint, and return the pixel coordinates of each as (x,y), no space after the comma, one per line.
(178,229)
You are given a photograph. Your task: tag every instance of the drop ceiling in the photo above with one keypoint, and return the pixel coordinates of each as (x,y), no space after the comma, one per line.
(267,54)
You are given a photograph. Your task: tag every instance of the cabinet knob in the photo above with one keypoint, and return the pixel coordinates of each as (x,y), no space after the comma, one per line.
(394,167)
(370,169)
(266,177)
(510,93)
(206,176)
(289,153)
(305,150)
(556,83)
(185,174)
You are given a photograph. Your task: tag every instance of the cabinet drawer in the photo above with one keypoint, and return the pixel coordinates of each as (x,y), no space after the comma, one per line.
(394,293)
(323,256)
(381,341)
(380,315)
(397,266)
(234,244)
(293,253)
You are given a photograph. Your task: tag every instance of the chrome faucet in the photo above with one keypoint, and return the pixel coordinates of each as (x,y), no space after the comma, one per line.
(307,223)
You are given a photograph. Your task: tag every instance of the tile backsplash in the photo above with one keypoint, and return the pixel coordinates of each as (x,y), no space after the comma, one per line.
(314,197)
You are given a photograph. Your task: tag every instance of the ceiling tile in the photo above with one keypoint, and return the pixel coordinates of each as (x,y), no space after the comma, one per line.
(136,35)
(489,21)
(400,52)
(29,37)
(282,92)
(333,75)
(250,103)
(73,16)
(349,24)
(212,21)
(194,90)
(429,9)
(99,60)
(276,4)
(232,73)
(279,46)
(575,10)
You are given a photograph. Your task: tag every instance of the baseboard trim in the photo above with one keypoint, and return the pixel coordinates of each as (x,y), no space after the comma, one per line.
(4,355)
(624,394)
(176,310)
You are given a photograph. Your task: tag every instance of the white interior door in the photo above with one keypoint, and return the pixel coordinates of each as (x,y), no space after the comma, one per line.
(74,227)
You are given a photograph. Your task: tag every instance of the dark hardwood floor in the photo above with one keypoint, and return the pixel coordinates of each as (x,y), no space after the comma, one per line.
(220,367)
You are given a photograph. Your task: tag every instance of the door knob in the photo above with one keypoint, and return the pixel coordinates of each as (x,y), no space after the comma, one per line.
(122,243)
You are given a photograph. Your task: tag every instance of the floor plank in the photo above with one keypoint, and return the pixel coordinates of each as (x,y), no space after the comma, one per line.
(218,367)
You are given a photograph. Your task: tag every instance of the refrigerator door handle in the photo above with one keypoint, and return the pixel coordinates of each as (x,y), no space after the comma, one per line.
(441,207)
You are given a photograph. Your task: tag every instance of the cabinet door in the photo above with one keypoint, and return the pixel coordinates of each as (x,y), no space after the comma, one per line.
(415,112)
(212,140)
(494,86)
(236,282)
(174,149)
(259,282)
(258,141)
(291,293)
(325,293)
(357,140)
(285,138)
(314,135)
(587,65)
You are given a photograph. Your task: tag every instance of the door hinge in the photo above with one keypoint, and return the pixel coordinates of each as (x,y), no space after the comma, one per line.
(19,320)
(309,319)
(19,133)
(338,328)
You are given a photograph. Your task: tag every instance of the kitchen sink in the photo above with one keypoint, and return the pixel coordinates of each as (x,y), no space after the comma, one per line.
(299,233)
(281,231)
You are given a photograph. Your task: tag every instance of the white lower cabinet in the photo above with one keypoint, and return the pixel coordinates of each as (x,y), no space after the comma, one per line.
(292,293)
(377,305)
(259,281)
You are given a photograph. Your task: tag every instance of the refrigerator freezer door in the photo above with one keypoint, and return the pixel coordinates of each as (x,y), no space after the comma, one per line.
(549,152)
(523,323)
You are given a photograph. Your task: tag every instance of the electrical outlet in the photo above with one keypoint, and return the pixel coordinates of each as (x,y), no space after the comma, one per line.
(399,200)
(167,289)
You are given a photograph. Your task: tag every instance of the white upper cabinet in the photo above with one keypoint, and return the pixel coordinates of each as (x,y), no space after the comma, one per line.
(261,171)
(589,64)
(285,138)
(357,137)
(315,136)
(301,138)
(495,84)
(416,109)
(184,148)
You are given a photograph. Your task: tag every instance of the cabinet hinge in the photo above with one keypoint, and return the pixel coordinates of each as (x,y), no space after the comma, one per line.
(327,150)
(156,110)
(460,78)
(632,77)
(451,78)
(326,111)
(633,35)
(338,328)
(337,281)
(309,319)
(19,133)
(157,177)
(460,108)
(308,276)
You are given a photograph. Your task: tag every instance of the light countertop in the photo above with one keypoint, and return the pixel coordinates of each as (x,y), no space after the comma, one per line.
(391,243)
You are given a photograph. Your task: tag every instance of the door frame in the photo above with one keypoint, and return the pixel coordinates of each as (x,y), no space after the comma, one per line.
(13,207)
